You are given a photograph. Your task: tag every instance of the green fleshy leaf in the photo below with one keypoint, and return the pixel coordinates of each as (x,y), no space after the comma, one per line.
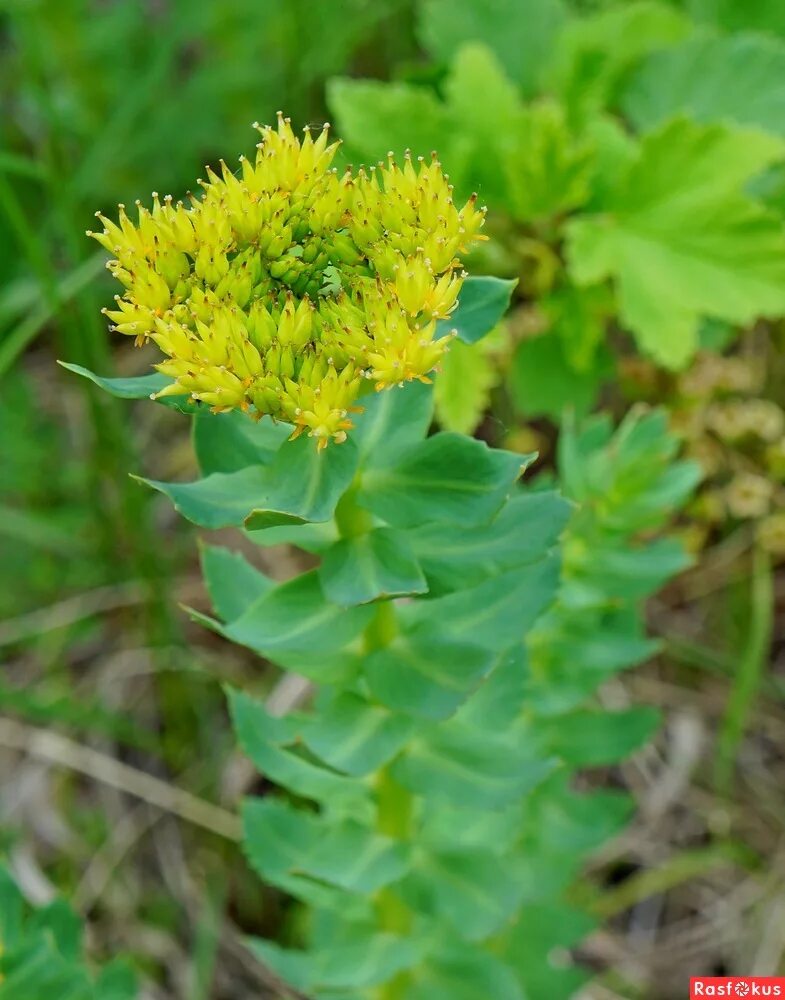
(494,614)
(232,582)
(351,966)
(355,736)
(130,387)
(116,981)
(554,925)
(482,303)
(556,982)
(264,739)
(424,677)
(576,823)
(543,873)
(42,954)
(300,485)
(627,482)
(463,479)
(578,451)
(41,972)
(449,826)
(471,890)
(632,572)
(635,467)
(541,930)
(62,926)
(282,841)
(135,387)
(570,668)
(463,387)
(11,911)
(392,422)
(590,738)
(501,698)
(740,78)
(297,627)
(464,974)
(470,767)
(362,568)
(521,36)
(456,556)
(217,501)
(316,537)
(666,495)
(228,442)
(305,484)
(682,240)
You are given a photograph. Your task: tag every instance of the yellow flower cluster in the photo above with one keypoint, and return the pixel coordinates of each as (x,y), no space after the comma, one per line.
(285,285)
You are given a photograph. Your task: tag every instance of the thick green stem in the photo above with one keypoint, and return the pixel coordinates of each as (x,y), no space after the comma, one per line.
(350,518)
(394,802)
(382,628)
(394,819)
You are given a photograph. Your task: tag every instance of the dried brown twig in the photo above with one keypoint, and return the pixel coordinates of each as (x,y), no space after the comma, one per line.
(64,752)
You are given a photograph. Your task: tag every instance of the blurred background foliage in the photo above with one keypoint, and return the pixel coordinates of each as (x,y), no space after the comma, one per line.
(540,105)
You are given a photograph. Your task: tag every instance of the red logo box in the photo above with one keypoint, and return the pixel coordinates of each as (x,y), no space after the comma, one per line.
(732,987)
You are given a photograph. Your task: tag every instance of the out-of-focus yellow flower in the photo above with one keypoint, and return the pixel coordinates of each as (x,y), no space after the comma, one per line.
(749,495)
(771,534)
(746,418)
(711,374)
(285,285)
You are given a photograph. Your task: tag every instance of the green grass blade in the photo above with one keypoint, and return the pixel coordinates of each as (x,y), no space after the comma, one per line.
(751,670)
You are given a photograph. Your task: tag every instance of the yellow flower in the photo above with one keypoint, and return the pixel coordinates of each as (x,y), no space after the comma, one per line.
(749,495)
(771,534)
(284,286)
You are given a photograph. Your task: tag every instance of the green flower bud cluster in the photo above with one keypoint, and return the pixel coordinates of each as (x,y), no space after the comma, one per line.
(284,286)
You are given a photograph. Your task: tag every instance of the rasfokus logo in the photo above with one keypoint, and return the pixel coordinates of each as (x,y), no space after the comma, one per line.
(737,986)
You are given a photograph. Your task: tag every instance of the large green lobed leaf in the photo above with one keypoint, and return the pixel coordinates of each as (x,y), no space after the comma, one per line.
(683,241)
